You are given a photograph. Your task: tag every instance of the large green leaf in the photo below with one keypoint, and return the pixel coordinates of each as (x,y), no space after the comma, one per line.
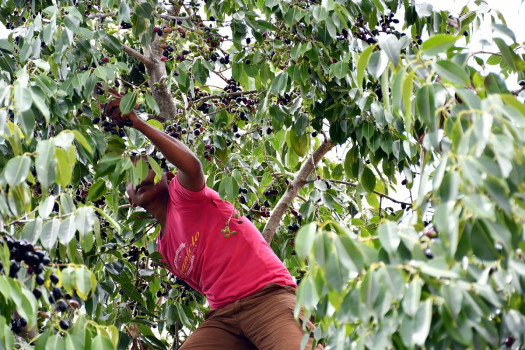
(84,219)
(45,162)
(389,236)
(452,72)
(299,144)
(49,233)
(128,102)
(509,56)
(438,43)
(426,107)
(305,239)
(368,179)
(362,64)
(16,170)
(392,46)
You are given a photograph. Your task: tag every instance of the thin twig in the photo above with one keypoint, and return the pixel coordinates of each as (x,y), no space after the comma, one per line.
(102,16)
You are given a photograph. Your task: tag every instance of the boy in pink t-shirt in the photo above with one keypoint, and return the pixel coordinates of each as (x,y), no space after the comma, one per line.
(250,291)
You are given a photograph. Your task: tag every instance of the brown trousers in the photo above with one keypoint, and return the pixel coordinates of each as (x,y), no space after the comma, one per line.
(262,321)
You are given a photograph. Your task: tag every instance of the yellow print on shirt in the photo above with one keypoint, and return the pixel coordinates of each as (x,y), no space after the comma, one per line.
(188,251)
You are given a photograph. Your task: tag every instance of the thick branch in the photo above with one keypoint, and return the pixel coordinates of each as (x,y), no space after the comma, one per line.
(156,70)
(134,53)
(293,189)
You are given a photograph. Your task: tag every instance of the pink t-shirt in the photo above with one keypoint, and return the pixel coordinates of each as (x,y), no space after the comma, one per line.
(223,269)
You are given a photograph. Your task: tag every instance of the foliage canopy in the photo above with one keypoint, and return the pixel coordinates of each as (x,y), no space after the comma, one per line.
(390,88)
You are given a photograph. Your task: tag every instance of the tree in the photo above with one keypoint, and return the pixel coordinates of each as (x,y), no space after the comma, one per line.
(391,87)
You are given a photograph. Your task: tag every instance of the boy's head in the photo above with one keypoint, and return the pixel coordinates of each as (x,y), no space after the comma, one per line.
(148,193)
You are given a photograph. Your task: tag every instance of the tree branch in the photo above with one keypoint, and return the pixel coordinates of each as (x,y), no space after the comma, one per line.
(382,195)
(293,189)
(101,16)
(134,53)
(231,94)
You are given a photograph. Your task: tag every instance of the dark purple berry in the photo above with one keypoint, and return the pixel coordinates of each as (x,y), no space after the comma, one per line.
(64,324)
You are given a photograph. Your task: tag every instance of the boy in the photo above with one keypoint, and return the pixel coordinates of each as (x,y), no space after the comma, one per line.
(250,292)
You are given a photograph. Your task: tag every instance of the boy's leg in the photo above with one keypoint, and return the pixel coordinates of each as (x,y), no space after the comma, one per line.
(267,319)
(220,331)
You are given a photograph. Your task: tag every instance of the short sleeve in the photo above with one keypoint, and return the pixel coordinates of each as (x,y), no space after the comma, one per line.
(181,195)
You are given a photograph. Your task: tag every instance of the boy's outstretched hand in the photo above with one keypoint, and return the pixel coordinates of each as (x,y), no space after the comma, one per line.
(112,111)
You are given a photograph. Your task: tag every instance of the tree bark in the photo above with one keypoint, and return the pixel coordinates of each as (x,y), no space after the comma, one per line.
(293,189)
(156,70)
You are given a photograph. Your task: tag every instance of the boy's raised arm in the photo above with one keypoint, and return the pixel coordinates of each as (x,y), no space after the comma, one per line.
(190,174)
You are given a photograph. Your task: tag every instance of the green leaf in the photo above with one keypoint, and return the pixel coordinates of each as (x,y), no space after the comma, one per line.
(305,239)
(392,46)
(278,86)
(67,230)
(156,168)
(66,159)
(438,43)
(480,205)
(336,273)
(412,297)
(503,29)
(46,207)
(40,101)
(368,179)
(452,72)
(128,102)
(85,281)
(31,231)
(425,106)
(97,190)
(377,64)
(389,236)
(23,97)
(293,15)
(339,69)
(418,328)
(228,188)
(446,221)
(144,10)
(49,234)
(101,343)
(16,170)
(299,144)
(84,219)
(509,56)
(448,191)
(362,63)
(82,140)
(109,219)
(55,342)
(152,104)
(200,72)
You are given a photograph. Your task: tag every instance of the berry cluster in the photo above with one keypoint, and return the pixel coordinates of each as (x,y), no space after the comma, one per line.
(125,25)
(209,151)
(242,198)
(36,262)
(17,324)
(134,253)
(23,251)
(115,126)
